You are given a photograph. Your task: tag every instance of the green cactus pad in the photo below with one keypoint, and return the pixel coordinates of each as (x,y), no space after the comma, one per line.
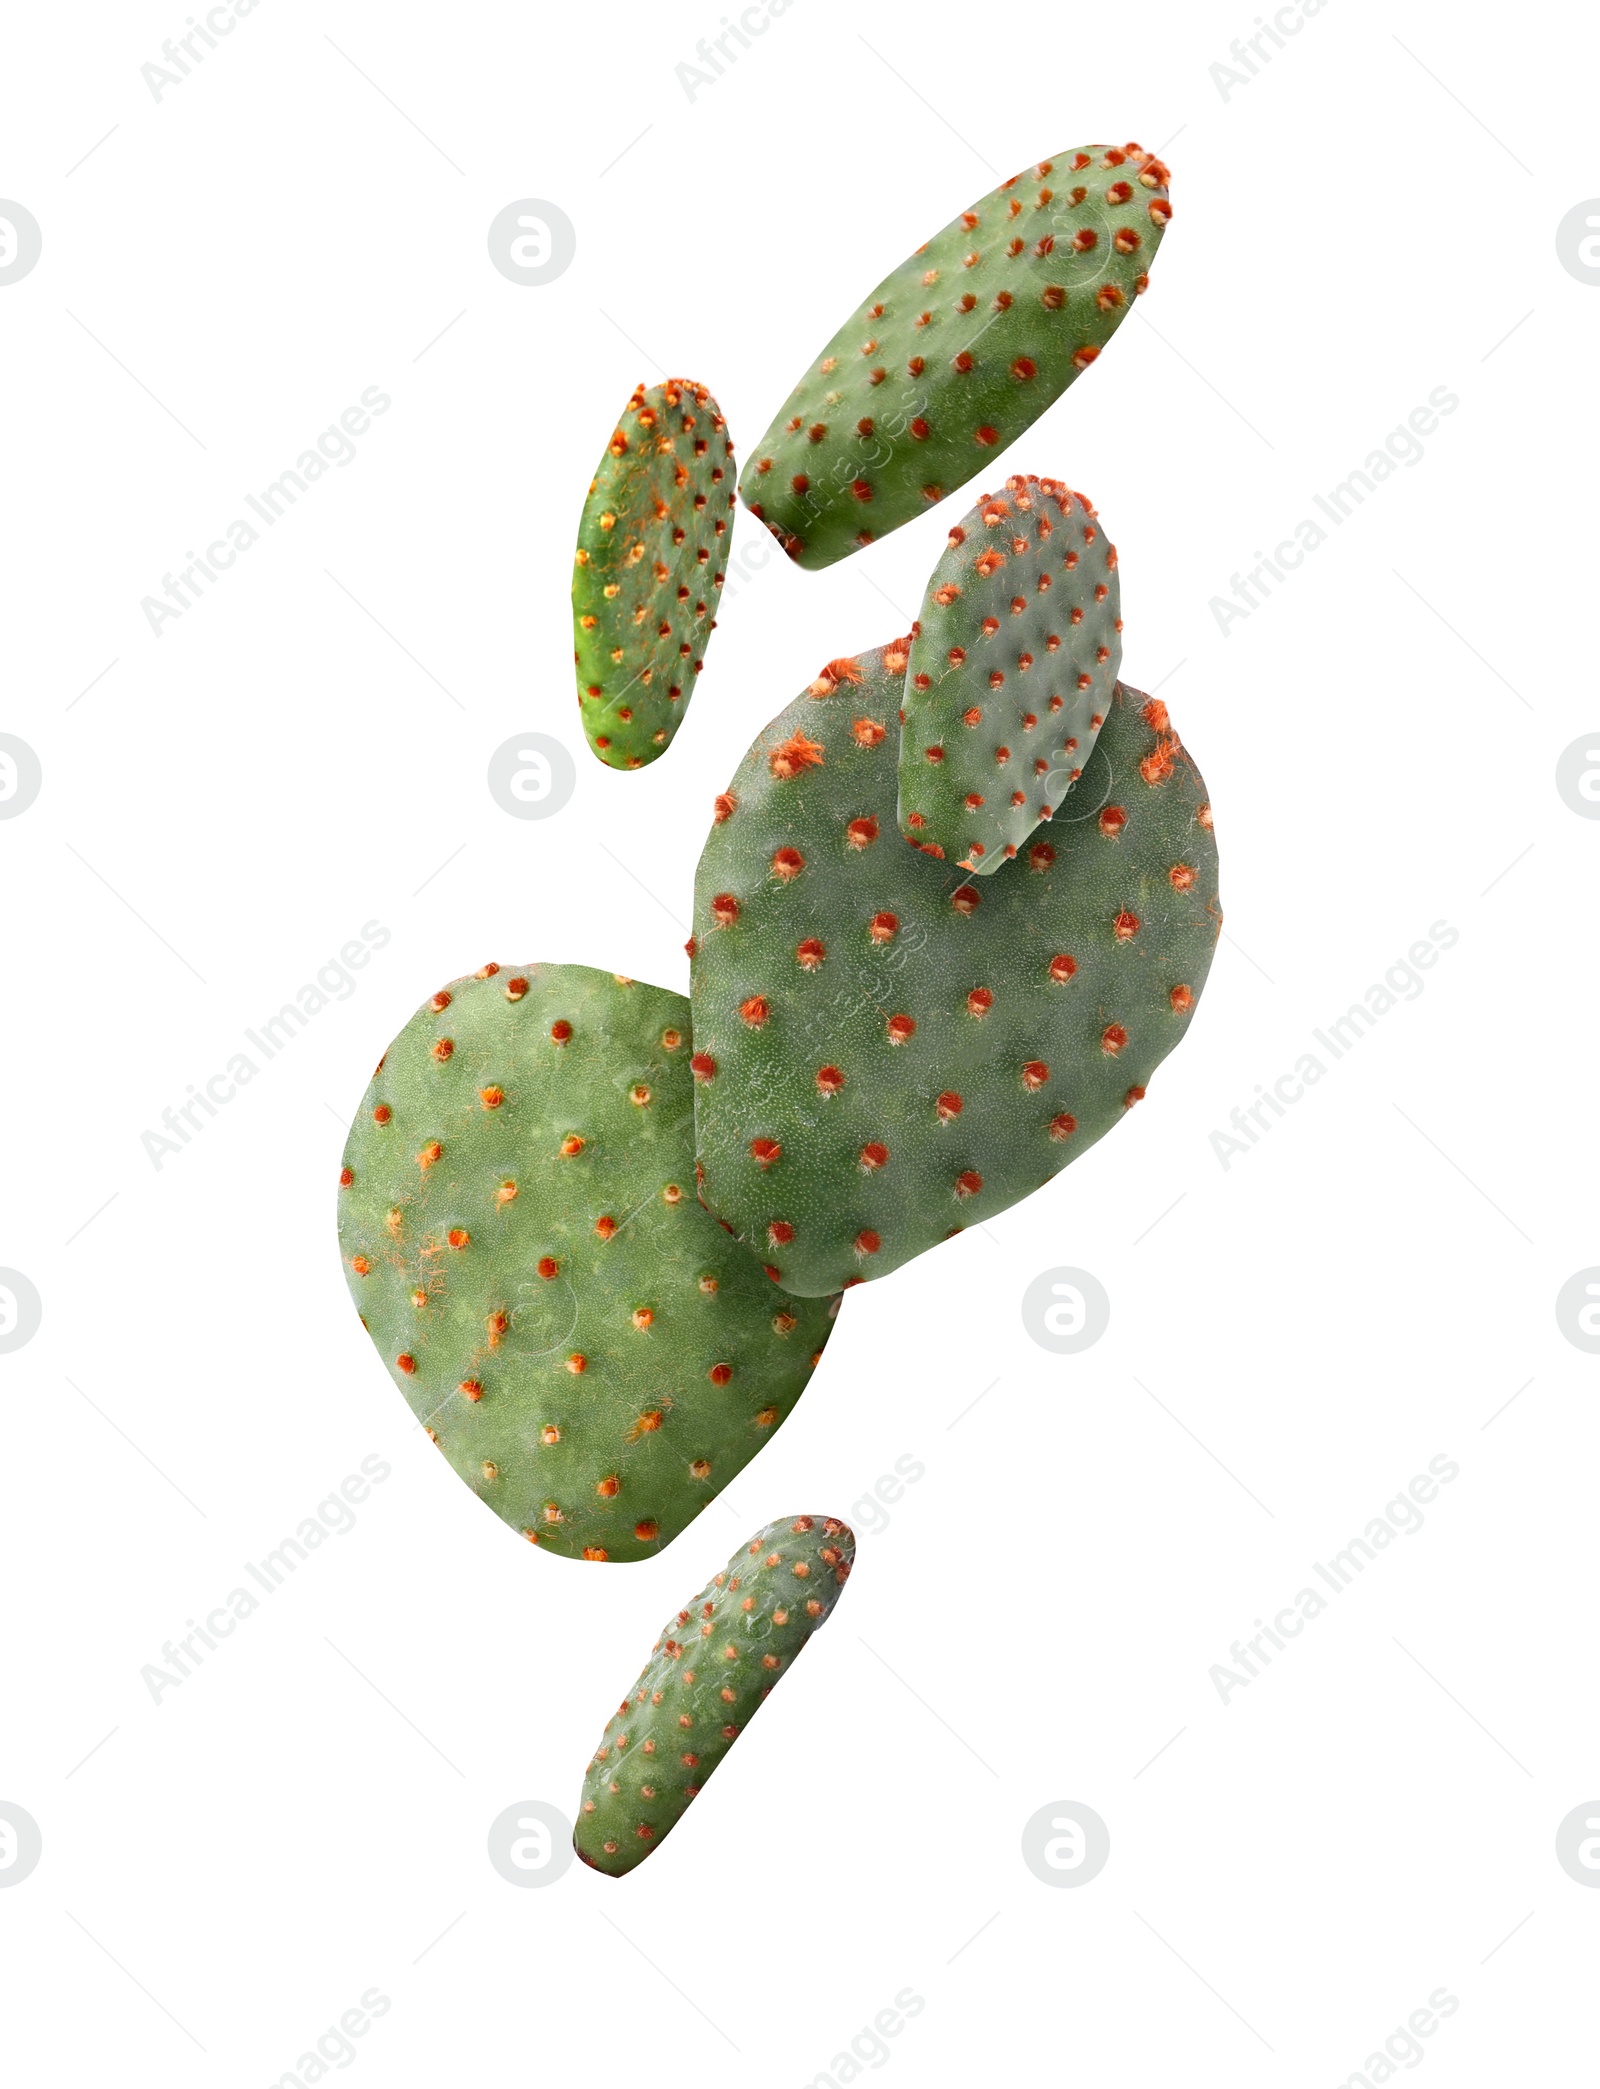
(1010,672)
(707,1675)
(649,569)
(592,1353)
(958,351)
(886,1051)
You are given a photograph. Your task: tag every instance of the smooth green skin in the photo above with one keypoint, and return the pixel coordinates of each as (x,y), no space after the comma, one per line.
(1005,693)
(649,569)
(707,1675)
(902,423)
(1040,1076)
(645,1411)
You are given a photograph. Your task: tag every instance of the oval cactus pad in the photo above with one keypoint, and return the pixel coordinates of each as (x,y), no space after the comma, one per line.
(591,1352)
(886,1050)
(958,350)
(1010,672)
(649,568)
(707,1676)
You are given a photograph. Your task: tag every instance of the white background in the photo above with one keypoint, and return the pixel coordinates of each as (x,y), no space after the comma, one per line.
(1293,1337)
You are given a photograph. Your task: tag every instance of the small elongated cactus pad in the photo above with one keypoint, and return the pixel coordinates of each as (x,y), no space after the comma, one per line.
(887,1050)
(592,1353)
(707,1675)
(958,350)
(1010,672)
(649,569)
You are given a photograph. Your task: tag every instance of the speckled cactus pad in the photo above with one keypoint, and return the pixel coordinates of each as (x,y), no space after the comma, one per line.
(1010,672)
(886,1050)
(707,1675)
(649,569)
(593,1354)
(958,350)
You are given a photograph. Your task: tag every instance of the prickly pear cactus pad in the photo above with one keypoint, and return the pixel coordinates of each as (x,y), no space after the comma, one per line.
(958,350)
(649,569)
(1010,672)
(706,1677)
(887,1050)
(592,1353)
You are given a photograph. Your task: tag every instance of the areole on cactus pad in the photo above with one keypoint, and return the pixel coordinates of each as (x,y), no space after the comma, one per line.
(1009,673)
(593,1354)
(648,569)
(887,1051)
(958,350)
